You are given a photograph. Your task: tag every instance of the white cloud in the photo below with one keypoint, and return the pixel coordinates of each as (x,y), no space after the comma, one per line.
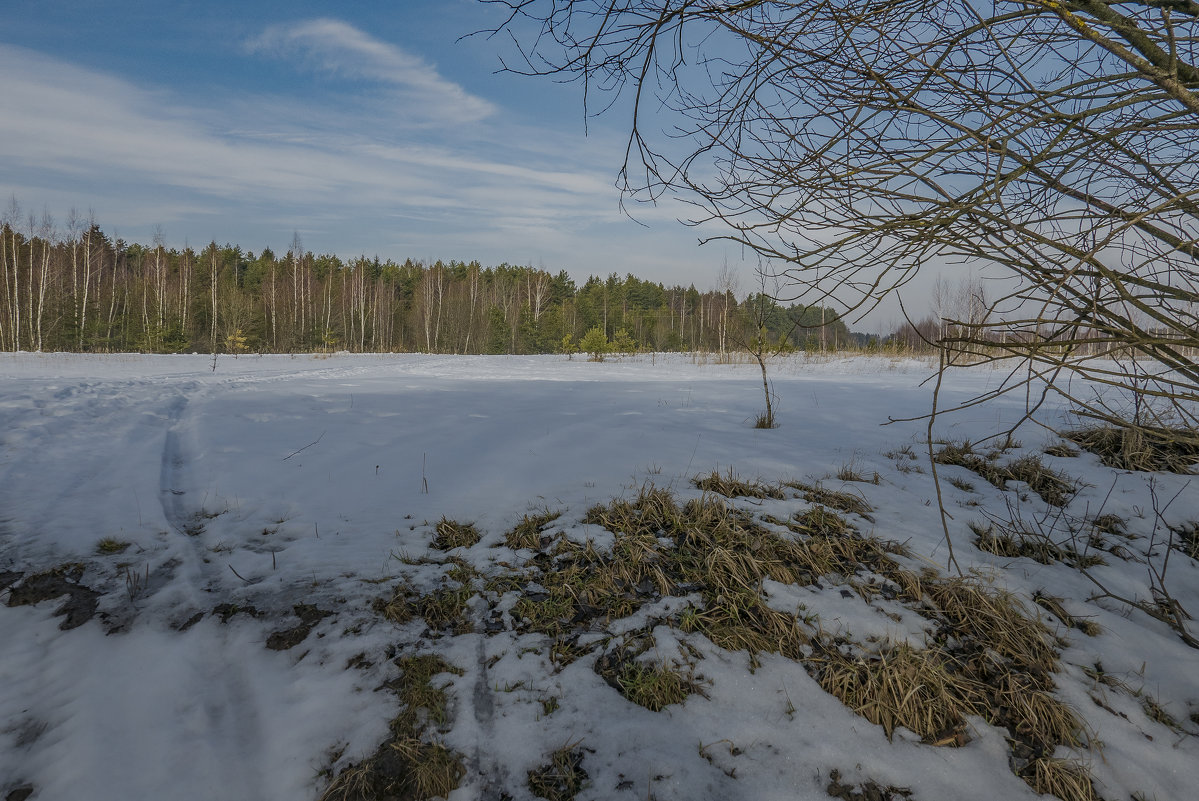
(340,48)
(80,125)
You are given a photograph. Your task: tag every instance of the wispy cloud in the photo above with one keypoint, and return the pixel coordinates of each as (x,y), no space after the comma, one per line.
(339,48)
(92,139)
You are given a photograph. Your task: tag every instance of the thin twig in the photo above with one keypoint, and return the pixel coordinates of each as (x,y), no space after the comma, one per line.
(306,447)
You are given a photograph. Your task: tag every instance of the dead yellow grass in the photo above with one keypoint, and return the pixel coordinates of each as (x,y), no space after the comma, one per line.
(903,686)
(1064,778)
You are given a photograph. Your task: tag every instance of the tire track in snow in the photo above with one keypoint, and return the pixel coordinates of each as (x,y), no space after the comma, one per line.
(494,773)
(234,731)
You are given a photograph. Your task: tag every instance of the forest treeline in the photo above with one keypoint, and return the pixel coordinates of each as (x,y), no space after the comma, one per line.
(85,291)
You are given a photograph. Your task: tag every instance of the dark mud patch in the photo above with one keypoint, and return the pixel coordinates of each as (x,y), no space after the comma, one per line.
(870,791)
(227,611)
(81,602)
(309,616)
(191,621)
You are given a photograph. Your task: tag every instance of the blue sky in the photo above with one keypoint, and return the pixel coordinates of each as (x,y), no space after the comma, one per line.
(366,127)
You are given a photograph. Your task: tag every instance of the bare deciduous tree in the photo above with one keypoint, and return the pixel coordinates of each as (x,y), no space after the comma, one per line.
(1053,146)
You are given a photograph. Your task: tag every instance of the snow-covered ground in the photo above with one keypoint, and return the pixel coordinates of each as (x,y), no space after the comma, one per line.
(275,481)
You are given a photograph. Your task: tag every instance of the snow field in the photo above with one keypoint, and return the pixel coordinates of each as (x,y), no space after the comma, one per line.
(276,481)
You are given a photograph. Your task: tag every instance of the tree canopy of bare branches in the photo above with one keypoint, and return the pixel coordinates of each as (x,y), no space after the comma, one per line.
(1053,146)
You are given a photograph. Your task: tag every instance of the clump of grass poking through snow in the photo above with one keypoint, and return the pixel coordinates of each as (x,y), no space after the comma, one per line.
(1012,544)
(654,686)
(989,658)
(1054,606)
(1062,451)
(1053,487)
(902,686)
(444,609)
(730,486)
(1185,539)
(849,472)
(1064,778)
(452,534)
(1147,449)
(1013,539)
(986,655)
(527,533)
(409,765)
(111,545)
(841,501)
(562,778)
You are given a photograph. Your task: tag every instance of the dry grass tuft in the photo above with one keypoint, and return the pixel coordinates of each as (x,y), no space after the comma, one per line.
(995,619)
(1032,714)
(765,420)
(446,608)
(962,484)
(1011,540)
(841,501)
(990,658)
(651,512)
(1053,487)
(1012,544)
(443,609)
(452,534)
(1111,524)
(1064,778)
(903,686)
(1146,449)
(730,486)
(407,765)
(850,473)
(1053,605)
(423,703)
(401,606)
(707,547)
(1155,711)
(1062,450)
(912,585)
(432,770)
(1185,539)
(527,533)
(653,686)
(747,623)
(562,778)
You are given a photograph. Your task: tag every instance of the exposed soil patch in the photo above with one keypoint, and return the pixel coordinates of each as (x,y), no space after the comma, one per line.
(309,616)
(81,602)
(191,621)
(226,611)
